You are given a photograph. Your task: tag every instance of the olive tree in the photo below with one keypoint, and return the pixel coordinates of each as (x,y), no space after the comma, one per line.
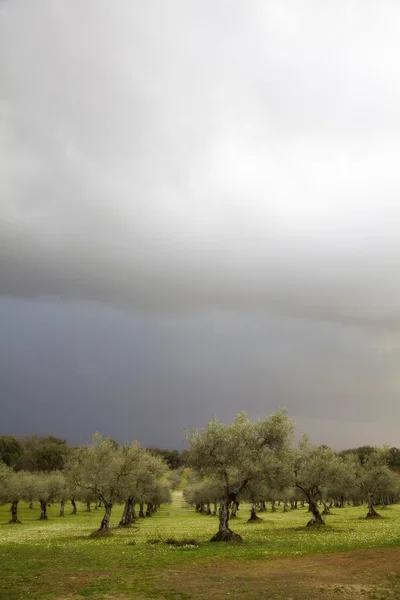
(145,470)
(236,454)
(101,468)
(12,490)
(372,478)
(202,493)
(143,491)
(49,487)
(315,468)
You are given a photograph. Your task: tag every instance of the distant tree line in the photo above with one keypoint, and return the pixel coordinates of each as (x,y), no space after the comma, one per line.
(49,453)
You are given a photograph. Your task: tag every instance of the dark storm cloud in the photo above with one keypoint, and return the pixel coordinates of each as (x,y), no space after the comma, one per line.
(74,370)
(228,161)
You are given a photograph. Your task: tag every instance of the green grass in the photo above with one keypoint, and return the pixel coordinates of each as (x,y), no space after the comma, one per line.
(57,559)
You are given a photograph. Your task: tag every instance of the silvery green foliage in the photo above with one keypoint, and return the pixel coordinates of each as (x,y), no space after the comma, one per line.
(101,468)
(373,476)
(241,451)
(13,485)
(115,474)
(315,468)
(50,486)
(205,491)
(5,474)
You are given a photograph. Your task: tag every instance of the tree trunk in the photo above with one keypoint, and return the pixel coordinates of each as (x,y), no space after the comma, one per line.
(141,511)
(326,510)
(43,510)
(273,509)
(73,506)
(62,507)
(14,512)
(253,513)
(285,506)
(371,510)
(214,512)
(88,509)
(233,510)
(313,507)
(263,506)
(128,515)
(225,534)
(123,522)
(105,522)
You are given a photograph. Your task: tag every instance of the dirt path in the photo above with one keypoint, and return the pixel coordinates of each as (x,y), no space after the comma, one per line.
(362,574)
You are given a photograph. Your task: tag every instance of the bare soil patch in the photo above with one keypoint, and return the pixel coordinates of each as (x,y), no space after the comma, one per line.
(358,575)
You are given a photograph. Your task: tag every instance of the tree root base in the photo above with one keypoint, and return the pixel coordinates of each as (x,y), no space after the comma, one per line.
(373,516)
(226,536)
(254,520)
(101,533)
(17,522)
(313,523)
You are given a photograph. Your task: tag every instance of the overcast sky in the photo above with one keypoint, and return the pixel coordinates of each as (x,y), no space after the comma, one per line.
(199,214)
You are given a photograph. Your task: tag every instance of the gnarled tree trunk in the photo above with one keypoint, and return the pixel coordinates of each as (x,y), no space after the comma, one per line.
(316,515)
(62,507)
(371,510)
(141,511)
(225,534)
(128,515)
(73,506)
(88,509)
(326,510)
(14,512)
(105,522)
(253,513)
(43,510)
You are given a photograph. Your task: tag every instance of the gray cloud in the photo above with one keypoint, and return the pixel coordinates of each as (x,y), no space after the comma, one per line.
(181,160)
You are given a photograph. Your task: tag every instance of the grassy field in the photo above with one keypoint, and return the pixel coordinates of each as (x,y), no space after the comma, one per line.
(279,558)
